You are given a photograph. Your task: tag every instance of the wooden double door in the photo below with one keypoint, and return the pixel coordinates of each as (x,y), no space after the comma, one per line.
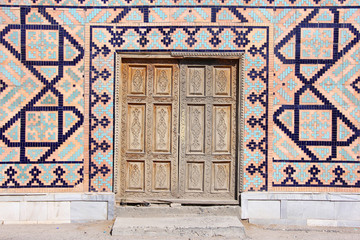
(178,129)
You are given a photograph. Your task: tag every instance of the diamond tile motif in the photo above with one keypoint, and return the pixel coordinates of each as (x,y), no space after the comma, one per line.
(42,45)
(317,43)
(41,126)
(315,125)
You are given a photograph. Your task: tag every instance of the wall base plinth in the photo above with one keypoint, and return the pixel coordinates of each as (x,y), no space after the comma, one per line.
(312,209)
(51,208)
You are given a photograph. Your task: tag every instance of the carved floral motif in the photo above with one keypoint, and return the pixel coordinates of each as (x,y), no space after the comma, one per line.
(221,81)
(161,128)
(137,81)
(195,128)
(161,176)
(221,175)
(221,129)
(194,175)
(195,81)
(163,81)
(135,128)
(135,175)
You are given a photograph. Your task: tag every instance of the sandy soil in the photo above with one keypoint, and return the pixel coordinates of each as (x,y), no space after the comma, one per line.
(277,232)
(101,231)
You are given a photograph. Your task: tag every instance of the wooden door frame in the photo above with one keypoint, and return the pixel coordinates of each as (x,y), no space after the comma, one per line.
(180,55)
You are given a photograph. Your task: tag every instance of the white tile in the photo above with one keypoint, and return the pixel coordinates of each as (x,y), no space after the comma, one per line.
(87,211)
(38,197)
(264,209)
(9,211)
(311,210)
(33,211)
(67,196)
(58,211)
(348,211)
(11,198)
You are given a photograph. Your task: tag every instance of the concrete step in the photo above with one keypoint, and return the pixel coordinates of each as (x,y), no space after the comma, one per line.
(176,210)
(181,227)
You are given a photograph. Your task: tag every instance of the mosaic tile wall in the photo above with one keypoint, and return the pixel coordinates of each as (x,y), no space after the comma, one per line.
(301,77)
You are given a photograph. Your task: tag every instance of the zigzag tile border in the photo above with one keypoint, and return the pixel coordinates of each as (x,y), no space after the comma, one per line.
(106,40)
(191,3)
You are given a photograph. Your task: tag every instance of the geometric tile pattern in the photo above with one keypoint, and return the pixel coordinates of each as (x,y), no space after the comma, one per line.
(41,139)
(302,90)
(316,134)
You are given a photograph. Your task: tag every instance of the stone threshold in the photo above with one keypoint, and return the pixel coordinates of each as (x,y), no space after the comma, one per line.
(201,227)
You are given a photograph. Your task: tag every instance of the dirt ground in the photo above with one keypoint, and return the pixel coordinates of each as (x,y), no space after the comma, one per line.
(295,232)
(101,231)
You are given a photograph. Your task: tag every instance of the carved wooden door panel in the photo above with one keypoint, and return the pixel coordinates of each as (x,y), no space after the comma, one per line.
(149,125)
(207,163)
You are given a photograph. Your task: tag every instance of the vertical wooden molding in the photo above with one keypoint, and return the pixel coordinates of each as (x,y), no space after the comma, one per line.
(117,128)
